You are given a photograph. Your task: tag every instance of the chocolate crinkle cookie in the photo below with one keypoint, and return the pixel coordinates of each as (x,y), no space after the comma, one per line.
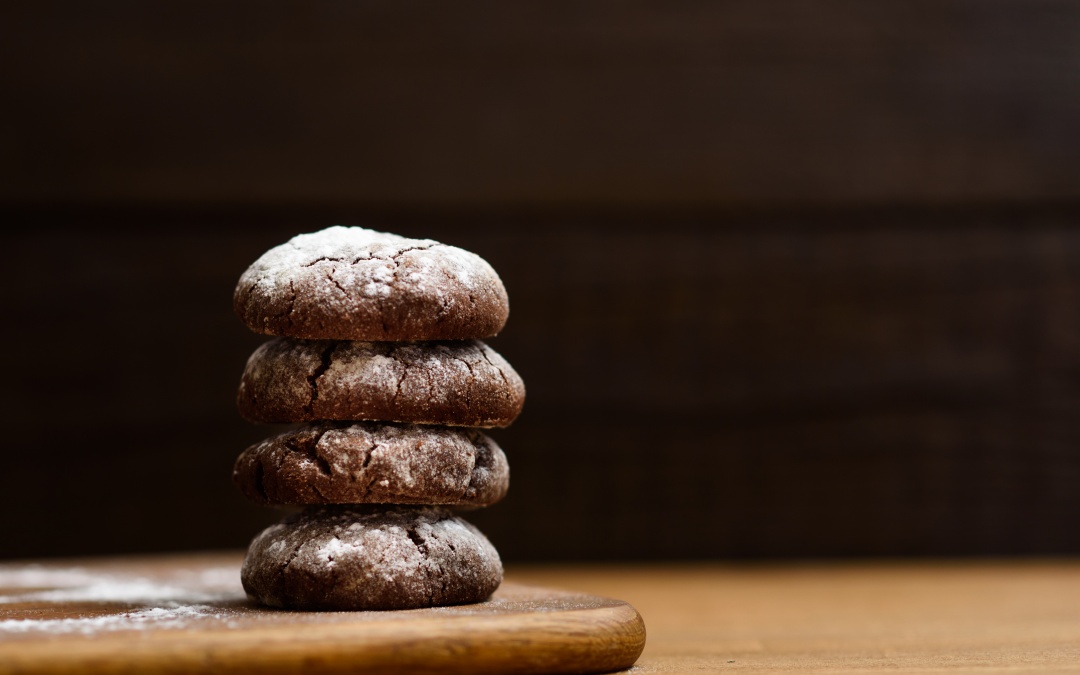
(370,558)
(350,283)
(462,383)
(371,463)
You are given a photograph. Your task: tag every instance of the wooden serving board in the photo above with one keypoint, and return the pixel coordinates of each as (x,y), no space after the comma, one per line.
(189,613)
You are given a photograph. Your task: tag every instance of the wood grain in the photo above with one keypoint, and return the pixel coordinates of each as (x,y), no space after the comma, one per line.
(952,616)
(933,616)
(205,624)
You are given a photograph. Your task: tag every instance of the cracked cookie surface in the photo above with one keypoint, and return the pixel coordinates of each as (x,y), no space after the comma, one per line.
(370,558)
(369,463)
(462,383)
(350,283)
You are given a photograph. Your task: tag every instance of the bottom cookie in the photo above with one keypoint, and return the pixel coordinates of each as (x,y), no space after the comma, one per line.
(370,558)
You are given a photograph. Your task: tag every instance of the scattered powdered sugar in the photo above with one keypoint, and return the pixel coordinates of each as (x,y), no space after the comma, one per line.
(221,577)
(171,603)
(174,616)
(132,591)
(38,576)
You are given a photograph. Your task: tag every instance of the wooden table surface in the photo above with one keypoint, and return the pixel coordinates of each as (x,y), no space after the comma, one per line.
(926,617)
(859,617)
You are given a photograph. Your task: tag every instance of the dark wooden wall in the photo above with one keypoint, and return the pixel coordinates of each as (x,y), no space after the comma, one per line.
(787,279)
(482,103)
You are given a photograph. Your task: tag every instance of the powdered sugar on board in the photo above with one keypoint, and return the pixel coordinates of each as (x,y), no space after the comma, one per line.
(175,617)
(75,600)
(170,630)
(116,601)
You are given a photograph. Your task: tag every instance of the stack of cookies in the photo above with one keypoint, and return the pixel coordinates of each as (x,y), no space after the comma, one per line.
(380,362)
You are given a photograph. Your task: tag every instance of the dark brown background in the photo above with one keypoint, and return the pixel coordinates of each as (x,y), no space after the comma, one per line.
(787,279)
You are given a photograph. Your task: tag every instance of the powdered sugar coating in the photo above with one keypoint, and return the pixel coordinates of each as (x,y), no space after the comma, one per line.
(350,283)
(370,558)
(449,383)
(369,463)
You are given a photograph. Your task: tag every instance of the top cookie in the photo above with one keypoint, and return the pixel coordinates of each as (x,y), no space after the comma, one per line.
(349,283)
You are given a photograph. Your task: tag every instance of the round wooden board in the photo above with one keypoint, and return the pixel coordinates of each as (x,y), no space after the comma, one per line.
(183,614)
